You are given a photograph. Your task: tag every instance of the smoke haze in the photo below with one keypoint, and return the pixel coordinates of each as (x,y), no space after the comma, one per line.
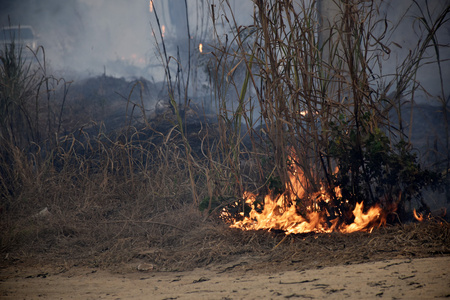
(85,36)
(92,37)
(96,36)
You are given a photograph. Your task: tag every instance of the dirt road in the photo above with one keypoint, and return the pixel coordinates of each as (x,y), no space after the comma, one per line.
(426,278)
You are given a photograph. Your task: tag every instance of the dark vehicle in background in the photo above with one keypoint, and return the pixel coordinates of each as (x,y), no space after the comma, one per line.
(23,37)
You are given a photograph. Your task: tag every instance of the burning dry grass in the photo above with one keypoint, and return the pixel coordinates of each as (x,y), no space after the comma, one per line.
(134,197)
(122,228)
(90,208)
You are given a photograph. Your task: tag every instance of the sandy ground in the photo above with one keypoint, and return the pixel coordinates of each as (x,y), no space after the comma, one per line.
(426,278)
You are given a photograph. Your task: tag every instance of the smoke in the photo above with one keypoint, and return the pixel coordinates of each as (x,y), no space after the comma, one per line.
(409,18)
(92,37)
(88,37)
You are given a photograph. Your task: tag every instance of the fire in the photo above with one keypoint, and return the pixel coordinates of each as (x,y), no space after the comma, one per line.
(418,216)
(163,30)
(200,47)
(365,221)
(151,6)
(280,212)
(435,214)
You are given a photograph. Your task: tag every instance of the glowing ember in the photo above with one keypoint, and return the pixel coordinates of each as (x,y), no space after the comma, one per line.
(151,6)
(281,213)
(418,216)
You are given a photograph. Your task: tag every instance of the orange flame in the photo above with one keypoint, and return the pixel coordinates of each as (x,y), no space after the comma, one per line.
(418,216)
(151,6)
(200,47)
(365,221)
(280,212)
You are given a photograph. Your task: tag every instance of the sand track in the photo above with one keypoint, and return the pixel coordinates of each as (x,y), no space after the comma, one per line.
(424,278)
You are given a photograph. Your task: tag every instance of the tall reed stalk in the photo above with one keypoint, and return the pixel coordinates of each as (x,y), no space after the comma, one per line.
(322,104)
(178,110)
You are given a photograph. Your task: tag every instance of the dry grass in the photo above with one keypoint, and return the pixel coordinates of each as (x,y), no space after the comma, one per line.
(84,196)
(176,238)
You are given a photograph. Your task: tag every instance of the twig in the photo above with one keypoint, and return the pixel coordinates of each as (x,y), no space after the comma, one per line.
(282,240)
